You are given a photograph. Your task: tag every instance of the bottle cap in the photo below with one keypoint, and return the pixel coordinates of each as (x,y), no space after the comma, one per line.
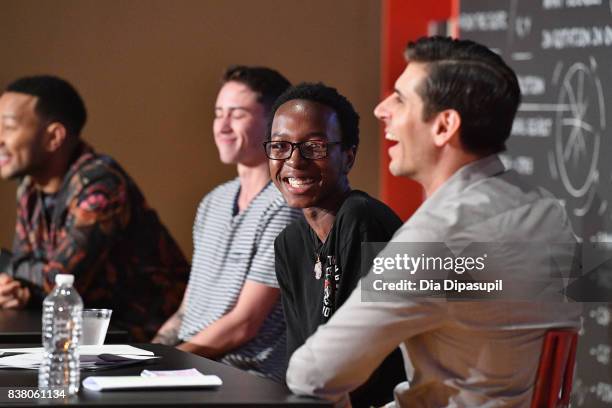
(64,279)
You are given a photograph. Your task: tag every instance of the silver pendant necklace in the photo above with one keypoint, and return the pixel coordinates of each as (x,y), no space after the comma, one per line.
(318,267)
(318,271)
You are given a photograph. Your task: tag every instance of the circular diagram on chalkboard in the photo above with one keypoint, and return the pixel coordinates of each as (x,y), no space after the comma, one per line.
(580,123)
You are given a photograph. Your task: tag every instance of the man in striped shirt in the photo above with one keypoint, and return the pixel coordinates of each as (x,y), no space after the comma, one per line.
(231,309)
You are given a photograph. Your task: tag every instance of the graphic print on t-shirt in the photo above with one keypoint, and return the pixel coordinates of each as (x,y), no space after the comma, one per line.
(330,286)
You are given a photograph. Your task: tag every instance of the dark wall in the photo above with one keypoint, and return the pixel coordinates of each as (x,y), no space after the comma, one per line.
(149,72)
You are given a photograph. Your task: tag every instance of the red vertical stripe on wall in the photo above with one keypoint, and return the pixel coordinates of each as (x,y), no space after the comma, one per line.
(403,20)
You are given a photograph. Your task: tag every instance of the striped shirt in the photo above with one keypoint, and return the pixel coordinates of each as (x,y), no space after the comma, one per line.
(229,248)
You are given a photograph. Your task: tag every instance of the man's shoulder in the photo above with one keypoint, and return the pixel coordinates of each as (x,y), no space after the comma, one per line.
(293,232)
(502,207)
(222,192)
(96,169)
(505,195)
(25,187)
(98,183)
(270,204)
(227,187)
(270,196)
(361,207)
(227,191)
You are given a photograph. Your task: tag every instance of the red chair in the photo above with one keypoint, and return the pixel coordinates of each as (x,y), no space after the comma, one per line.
(553,383)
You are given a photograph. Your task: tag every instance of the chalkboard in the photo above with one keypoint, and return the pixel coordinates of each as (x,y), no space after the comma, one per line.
(561,139)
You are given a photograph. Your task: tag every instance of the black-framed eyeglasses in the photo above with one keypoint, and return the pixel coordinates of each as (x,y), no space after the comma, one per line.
(282,150)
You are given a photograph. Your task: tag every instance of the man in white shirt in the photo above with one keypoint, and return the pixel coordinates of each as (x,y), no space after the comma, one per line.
(450,114)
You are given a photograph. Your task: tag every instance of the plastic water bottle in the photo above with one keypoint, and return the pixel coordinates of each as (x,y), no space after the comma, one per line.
(61,335)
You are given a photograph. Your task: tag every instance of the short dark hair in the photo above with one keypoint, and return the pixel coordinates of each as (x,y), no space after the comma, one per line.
(266,82)
(58,101)
(328,96)
(473,80)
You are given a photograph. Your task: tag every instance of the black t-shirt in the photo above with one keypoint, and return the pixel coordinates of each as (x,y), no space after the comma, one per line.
(311,294)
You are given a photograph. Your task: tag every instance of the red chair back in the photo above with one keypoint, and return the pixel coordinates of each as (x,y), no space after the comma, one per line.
(556,371)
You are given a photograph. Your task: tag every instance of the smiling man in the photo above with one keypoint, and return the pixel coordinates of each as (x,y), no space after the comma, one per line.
(78,212)
(313,143)
(231,310)
(450,114)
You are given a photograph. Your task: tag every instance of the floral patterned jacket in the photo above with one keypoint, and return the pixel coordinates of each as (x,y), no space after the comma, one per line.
(100,229)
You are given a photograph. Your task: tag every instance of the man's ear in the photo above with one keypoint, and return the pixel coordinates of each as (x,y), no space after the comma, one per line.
(55,137)
(349,159)
(445,126)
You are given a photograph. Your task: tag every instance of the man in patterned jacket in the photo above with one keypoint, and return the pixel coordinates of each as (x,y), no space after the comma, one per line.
(78,212)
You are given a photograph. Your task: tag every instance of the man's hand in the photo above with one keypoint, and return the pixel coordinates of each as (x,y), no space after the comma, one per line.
(188,347)
(13,295)
(168,333)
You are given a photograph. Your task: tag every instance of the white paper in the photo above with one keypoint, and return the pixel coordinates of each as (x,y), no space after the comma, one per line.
(33,360)
(138,382)
(120,349)
(29,361)
(189,372)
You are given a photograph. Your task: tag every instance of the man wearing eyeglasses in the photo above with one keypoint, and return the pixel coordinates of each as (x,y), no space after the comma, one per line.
(313,142)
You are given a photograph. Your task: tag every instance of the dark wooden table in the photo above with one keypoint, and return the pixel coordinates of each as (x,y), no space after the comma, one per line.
(25,326)
(239,389)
